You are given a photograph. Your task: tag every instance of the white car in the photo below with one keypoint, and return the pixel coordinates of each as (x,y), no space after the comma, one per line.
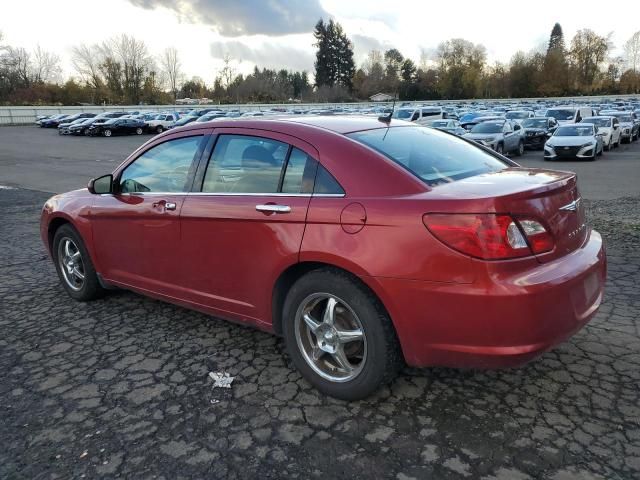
(161,122)
(609,127)
(576,141)
(419,115)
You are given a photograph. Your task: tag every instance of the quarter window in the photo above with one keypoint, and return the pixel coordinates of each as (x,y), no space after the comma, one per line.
(163,168)
(298,177)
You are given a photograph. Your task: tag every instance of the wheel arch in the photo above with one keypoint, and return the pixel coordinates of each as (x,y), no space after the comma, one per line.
(291,274)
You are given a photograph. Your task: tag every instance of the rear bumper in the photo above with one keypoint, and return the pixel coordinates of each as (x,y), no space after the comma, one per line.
(500,320)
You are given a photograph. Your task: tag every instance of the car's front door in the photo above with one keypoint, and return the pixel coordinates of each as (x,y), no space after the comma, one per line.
(246,222)
(136,230)
(509,137)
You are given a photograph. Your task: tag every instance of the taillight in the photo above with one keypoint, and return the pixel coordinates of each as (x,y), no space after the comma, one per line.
(489,236)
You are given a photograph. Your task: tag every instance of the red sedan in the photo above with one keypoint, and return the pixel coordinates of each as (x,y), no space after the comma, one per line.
(363,244)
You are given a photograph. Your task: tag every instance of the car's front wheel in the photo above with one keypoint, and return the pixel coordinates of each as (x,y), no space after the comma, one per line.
(520,150)
(74,266)
(138,131)
(339,336)
(159,129)
(107,133)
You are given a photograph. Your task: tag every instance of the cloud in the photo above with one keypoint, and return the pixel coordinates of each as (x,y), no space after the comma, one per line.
(269,54)
(232,18)
(363,44)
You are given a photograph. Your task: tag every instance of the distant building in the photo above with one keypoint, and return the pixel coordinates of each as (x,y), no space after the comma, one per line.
(381,97)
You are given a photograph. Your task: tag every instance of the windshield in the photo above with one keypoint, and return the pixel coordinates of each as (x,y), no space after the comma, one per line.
(516,115)
(561,113)
(535,123)
(624,118)
(402,114)
(467,117)
(488,127)
(598,121)
(574,131)
(434,157)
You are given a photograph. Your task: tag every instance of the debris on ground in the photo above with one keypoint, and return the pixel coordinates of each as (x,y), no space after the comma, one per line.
(221,379)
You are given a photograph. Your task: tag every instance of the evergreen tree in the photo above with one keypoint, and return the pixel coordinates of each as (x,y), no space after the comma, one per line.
(556,69)
(334,59)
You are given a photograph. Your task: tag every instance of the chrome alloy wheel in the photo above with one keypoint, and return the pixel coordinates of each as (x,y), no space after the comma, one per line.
(330,337)
(70,262)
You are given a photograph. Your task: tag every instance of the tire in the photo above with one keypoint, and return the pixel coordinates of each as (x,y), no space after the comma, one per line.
(520,150)
(374,357)
(601,151)
(500,149)
(138,131)
(608,146)
(87,288)
(159,129)
(107,133)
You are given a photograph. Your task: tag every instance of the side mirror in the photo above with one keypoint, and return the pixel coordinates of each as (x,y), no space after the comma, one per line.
(101,185)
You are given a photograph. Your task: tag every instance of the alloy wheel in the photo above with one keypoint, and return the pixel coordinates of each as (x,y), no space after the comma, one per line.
(70,263)
(330,337)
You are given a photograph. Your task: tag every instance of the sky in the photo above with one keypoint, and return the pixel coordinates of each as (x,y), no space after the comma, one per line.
(278,33)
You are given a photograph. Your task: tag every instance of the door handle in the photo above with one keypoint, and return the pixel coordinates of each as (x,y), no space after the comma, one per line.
(164,204)
(271,208)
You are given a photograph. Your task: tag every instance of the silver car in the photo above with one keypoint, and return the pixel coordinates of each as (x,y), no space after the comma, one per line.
(580,140)
(503,136)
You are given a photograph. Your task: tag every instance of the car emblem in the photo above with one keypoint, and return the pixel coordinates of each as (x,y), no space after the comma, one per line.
(566,148)
(571,207)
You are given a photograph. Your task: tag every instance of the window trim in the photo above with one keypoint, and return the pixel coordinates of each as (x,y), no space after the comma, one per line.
(195,161)
(207,156)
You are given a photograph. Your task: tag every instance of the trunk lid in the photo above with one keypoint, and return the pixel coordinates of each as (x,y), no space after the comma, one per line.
(548,196)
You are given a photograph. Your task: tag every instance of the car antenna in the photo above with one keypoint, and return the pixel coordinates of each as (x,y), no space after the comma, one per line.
(387,118)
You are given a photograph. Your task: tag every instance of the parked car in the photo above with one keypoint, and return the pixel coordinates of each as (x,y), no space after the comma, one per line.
(629,125)
(609,128)
(64,127)
(118,126)
(518,115)
(503,136)
(341,256)
(53,121)
(81,127)
(580,141)
(537,130)
(569,114)
(212,116)
(451,126)
(419,115)
(184,121)
(161,122)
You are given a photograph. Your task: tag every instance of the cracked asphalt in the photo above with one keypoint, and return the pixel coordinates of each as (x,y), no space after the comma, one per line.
(119,388)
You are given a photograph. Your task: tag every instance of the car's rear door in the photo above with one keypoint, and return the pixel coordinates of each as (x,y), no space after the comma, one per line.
(245,223)
(136,230)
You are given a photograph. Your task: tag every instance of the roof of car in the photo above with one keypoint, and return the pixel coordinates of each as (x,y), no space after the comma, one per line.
(338,124)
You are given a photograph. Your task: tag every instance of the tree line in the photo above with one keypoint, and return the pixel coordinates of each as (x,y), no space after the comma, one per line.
(121,70)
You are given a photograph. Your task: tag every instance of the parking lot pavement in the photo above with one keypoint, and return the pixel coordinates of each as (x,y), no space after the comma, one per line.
(119,387)
(40,159)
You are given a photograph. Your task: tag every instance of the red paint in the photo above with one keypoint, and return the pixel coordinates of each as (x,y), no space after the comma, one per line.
(219,255)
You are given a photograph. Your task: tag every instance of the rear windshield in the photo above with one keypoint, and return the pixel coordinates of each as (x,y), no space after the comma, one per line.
(432,156)
(561,114)
(402,114)
(488,127)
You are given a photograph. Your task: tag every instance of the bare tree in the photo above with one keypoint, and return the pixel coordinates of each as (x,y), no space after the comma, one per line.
(228,72)
(171,67)
(86,61)
(632,51)
(45,66)
(20,62)
(133,56)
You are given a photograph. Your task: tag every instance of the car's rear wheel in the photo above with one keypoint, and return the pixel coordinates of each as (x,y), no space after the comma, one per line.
(107,133)
(159,129)
(138,131)
(74,265)
(339,336)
